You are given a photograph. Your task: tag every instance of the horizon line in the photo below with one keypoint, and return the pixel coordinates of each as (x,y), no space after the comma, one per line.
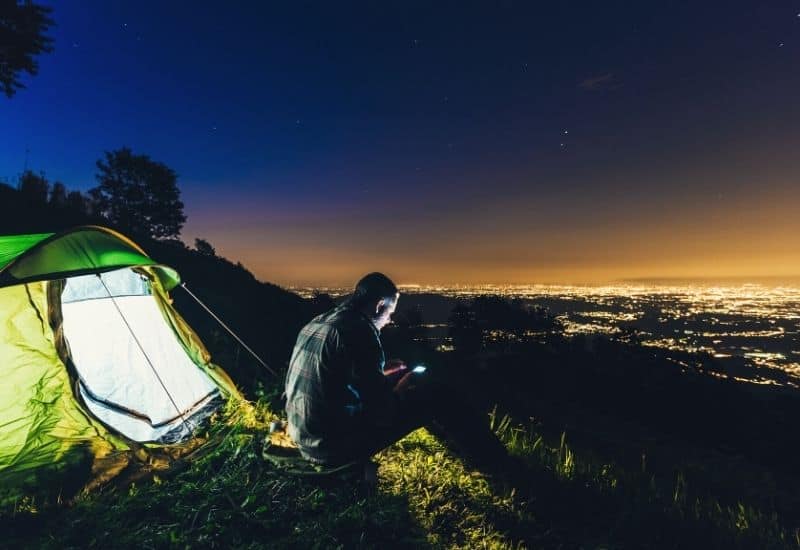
(740,279)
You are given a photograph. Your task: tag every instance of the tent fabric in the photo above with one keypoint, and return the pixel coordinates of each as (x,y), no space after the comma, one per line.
(129,357)
(87,249)
(14,245)
(56,317)
(140,429)
(41,425)
(122,282)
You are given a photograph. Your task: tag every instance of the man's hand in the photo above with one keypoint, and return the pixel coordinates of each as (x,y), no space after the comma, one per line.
(406,383)
(394,366)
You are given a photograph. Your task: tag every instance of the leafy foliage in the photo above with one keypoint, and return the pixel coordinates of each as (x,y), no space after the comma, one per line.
(204,247)
(37,206)
(34,187)
(58,194)
(22,37)
(138,195)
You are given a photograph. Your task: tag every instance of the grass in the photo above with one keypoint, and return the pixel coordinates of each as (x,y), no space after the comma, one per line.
(426,497)
(634,507)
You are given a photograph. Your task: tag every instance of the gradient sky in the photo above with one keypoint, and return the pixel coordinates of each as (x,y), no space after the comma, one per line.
(448,143)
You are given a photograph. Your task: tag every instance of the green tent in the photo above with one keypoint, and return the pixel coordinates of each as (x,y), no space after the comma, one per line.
(95,362)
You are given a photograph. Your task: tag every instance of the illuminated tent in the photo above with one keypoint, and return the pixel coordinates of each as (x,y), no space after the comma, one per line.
(93,357)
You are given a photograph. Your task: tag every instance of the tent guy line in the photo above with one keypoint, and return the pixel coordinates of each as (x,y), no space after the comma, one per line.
(226,327)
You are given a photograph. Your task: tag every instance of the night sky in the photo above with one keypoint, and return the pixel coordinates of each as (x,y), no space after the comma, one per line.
(456,143)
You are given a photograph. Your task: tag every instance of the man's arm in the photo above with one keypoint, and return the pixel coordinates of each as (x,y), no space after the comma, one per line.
(363,349)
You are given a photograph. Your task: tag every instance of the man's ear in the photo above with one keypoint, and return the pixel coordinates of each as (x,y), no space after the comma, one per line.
(380,306)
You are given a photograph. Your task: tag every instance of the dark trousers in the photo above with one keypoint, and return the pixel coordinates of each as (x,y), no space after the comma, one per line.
(441,410)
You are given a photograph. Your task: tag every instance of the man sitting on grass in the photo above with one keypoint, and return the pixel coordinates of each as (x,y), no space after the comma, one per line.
(342,407)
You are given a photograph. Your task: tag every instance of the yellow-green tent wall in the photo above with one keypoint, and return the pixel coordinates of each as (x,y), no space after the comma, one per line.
(45,429)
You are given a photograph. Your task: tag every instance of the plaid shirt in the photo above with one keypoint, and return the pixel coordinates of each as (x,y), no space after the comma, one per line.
(335,383)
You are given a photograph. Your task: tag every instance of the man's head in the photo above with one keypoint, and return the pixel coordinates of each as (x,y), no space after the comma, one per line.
(376,295)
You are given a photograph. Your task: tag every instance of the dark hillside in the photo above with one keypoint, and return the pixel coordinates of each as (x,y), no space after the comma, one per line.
(265,316)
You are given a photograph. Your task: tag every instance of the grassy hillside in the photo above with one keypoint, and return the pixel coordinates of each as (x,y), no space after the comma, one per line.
(426,497)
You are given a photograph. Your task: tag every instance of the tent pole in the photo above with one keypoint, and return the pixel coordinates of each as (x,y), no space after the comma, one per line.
(146,358)
(245,346)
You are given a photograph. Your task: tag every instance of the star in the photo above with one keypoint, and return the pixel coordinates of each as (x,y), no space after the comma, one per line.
(566,132)
(780,44)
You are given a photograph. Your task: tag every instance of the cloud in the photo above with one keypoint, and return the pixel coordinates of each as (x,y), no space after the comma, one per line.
(600,82)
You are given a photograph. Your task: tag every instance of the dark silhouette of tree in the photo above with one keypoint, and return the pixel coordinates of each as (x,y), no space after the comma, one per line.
(138,195)
(37,206)
(204,247)
(22,37)
(76,202)
(34,187)
(491,323)
(58,195)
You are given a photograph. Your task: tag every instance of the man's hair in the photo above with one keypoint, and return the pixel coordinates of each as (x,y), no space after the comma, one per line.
(371,288)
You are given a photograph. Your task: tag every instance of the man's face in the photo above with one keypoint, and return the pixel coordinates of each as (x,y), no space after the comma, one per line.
(384,311)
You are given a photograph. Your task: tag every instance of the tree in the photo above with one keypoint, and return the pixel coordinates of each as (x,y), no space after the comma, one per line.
(77,203)
(22,37)
(138,195)
(58,195)
(204,247)
(34,187)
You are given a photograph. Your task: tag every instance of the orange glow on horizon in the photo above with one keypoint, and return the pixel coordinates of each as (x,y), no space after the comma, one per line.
(514,240)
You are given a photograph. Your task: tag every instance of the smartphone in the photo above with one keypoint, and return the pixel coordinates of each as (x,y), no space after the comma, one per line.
(419,369)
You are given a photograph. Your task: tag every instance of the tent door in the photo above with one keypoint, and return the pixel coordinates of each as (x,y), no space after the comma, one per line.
(135,375)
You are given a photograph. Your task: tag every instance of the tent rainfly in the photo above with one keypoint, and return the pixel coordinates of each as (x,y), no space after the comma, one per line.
(94,359)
